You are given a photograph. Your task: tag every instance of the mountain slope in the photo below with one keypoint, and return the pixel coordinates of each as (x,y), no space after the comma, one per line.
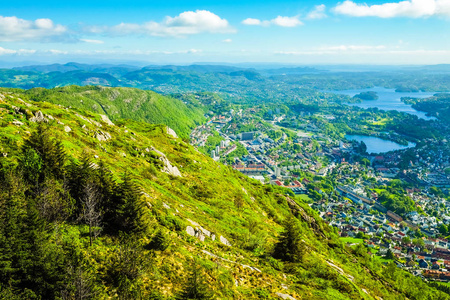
(124,103)
(197,224)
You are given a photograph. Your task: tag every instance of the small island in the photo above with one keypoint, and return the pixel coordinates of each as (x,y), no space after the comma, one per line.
(367,96)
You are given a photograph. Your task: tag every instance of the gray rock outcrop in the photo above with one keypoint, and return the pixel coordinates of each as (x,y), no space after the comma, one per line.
(106,120)
(102,136)
(190,230)
(285,296)
(167,166)
(171,132)
(38,117)
(224,241)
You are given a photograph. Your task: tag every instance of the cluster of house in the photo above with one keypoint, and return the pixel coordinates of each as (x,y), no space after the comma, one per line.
(390,232)
(372,216)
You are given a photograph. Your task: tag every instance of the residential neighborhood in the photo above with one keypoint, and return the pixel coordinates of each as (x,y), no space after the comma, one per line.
(302,160)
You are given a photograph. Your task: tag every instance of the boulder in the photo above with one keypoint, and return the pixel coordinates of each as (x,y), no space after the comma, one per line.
(67,129)
(205,232)
(285,296)
(16,110)
(167,166)
(106,120)
(17,123)
(224,241)
(171,132)
(190,230)
(169,169)
(102,136)
(200,236)
(38,118)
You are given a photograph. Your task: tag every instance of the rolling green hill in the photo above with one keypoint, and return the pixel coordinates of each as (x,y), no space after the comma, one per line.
(129,103)
(95,210)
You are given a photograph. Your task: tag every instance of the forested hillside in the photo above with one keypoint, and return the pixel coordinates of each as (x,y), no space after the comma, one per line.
(94,209)
(129,103)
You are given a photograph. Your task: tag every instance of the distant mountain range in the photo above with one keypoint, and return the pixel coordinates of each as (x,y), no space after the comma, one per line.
(240,82)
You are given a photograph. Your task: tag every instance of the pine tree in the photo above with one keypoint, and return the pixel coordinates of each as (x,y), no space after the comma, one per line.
(195,286)
(78,175)
(158,242)
(30,164)
(126,211)
(12,214)
(106,186)
(389,254)
(50,151)
(126,269)
(290,247)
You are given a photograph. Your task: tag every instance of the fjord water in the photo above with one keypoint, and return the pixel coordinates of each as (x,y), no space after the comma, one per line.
(377,145)
(388,99)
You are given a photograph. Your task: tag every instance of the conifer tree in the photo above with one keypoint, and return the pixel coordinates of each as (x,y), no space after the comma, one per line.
(50,151)
(290,246)
(78,175)
(195,286)
(126,211)
(158,242)
(106,186)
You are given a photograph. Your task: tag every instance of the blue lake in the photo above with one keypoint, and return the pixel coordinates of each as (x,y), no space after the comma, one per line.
(377,145)
(388,99)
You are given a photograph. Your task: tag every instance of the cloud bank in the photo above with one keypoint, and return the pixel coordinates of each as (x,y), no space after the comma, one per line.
(410,8)
(13,29)
(186,23)
(4,51)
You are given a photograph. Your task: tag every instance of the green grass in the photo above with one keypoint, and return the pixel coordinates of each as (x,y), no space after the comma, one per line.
(351,240)
(382,259)
(304,197)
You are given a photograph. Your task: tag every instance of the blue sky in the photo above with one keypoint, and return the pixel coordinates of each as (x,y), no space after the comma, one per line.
(296,32)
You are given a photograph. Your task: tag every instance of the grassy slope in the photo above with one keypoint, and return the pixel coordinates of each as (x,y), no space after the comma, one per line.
(206,194)
(127,103)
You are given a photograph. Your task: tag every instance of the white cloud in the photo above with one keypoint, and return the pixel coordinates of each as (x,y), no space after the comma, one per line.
(278,21)
(317,13)
(227,40)
(409,8)
(57,52)
(286,21)
(13,29)
(186,23)
(251,21)
(91,41)
(4,51)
